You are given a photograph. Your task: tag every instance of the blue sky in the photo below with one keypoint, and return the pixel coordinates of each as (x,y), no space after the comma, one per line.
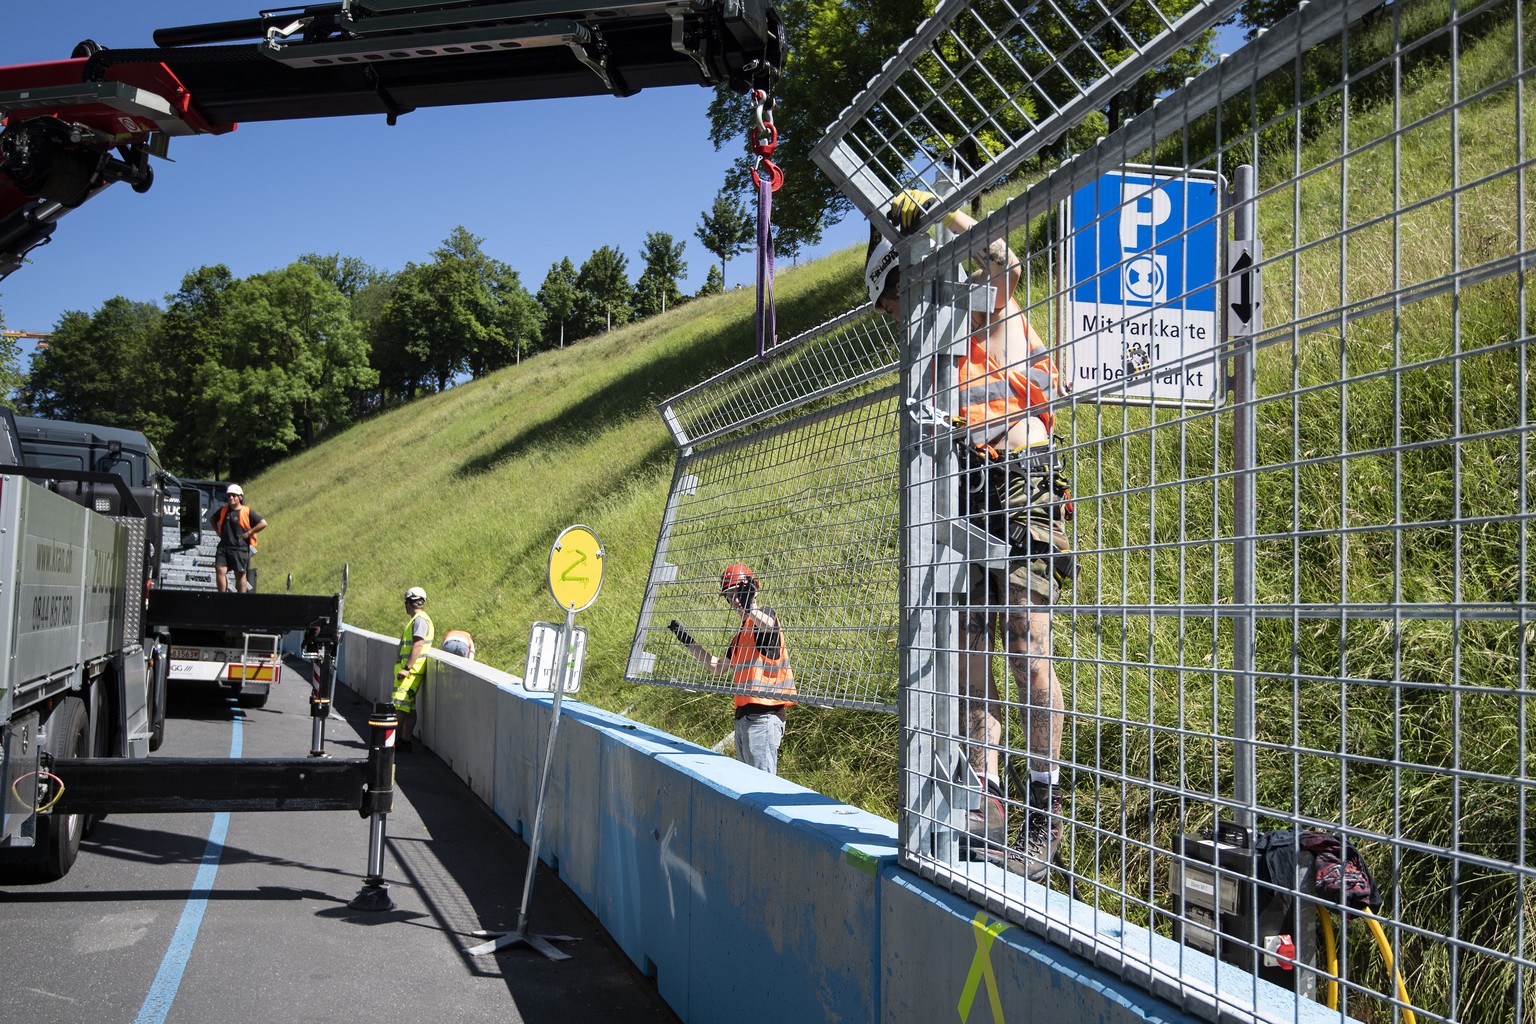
(537,180)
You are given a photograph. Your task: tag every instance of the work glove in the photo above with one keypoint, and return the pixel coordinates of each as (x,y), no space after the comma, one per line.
(908,208)
(681,633)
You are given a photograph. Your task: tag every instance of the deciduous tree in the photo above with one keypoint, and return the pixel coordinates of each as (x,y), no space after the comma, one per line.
(99,367)
(713,284)
(603,290)
(656,291)
(190,334)
(290,359)
(557,296)
(464,312)
(726,228)
(11,377)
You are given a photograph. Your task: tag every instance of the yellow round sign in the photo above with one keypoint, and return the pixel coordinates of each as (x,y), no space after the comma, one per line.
(575,568)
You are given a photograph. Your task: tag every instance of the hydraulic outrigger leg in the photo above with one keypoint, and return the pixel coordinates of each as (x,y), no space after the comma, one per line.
(378,801)
(322,697)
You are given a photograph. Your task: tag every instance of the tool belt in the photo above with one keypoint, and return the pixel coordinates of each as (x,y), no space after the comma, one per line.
(1021,502)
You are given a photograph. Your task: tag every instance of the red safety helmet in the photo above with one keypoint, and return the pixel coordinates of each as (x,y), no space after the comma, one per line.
(735,575)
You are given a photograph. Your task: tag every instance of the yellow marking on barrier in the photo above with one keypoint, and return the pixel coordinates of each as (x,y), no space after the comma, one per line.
(981,967)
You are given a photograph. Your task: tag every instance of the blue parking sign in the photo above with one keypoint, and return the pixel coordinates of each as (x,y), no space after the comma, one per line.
(1143,240)
(1137,316)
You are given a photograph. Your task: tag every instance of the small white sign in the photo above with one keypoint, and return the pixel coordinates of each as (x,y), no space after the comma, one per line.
(544,652)
(1245,294)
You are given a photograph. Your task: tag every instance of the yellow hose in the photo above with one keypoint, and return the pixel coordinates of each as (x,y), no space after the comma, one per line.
(1386,956)
(27,803)
(1331,957)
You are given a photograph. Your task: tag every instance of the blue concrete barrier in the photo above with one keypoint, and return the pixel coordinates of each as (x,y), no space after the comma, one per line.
(751,899)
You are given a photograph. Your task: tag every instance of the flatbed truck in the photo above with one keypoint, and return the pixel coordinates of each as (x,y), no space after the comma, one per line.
(80,672)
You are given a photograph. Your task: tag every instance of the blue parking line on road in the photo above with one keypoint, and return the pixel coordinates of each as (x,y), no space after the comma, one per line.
(168,979)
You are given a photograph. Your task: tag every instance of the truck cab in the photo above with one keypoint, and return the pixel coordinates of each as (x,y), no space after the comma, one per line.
(88,448)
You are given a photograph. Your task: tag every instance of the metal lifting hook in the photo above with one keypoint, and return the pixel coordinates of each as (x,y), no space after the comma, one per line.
(762,140)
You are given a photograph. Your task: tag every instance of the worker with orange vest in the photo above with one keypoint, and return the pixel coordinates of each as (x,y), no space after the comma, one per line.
(458,641)
(237,526)
(758,662)
(1010,488)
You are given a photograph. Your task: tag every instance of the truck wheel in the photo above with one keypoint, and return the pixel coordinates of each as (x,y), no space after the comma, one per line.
(254,700)
(58,835)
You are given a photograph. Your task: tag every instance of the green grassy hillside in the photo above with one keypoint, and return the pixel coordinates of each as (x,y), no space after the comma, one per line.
(464,492)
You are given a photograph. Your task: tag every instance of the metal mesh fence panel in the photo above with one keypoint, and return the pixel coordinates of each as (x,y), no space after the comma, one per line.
(986,84)
(1288,310)
(787,466)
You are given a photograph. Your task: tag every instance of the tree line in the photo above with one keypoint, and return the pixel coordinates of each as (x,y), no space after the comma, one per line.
(235,374)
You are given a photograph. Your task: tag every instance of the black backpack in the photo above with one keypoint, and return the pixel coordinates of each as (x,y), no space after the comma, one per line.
(1336,871)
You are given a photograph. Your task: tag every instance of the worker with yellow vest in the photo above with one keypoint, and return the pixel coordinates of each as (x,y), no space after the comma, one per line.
(1009,487)
(237,526)
(411,665)
(758,662)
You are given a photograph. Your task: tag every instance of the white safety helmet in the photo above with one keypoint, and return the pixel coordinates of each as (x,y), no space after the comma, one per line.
(415,595)
(883,261)
(234,489)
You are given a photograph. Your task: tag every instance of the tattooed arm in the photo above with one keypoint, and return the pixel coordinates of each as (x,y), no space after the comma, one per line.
(998,266)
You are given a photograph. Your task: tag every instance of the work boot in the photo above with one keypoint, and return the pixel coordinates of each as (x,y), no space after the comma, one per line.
(986,828)
(1041,836)
(986,835)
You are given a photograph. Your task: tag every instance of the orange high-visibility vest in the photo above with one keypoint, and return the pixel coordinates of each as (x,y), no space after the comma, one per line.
(997,398)
(245,522)
(754,669)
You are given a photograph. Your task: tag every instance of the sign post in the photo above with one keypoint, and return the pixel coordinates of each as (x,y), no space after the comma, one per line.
(575,577)
(1139,303)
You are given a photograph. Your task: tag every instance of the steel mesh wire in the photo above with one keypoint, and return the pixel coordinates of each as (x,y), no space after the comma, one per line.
(984,85)
(787,466)
(1330,628)
(1301,602)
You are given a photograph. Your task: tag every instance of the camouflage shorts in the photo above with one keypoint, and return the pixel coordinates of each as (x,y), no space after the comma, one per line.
(1038,572)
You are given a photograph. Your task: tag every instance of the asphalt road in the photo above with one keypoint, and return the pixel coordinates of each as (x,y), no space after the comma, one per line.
(156,924)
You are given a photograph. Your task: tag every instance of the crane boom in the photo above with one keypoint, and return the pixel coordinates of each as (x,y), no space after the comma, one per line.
(74,127)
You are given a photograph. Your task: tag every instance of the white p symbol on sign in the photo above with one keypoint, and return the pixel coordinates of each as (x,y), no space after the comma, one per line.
(1143,207)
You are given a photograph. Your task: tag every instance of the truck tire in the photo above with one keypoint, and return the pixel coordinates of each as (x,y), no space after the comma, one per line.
(58,836)
(254,700)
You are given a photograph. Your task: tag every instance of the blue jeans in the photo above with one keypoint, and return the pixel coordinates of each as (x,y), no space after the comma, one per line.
(757,741)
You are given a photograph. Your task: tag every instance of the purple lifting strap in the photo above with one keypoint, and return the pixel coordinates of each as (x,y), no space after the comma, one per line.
(767,327)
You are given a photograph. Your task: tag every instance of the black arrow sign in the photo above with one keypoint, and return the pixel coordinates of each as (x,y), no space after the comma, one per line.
(1243,307)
